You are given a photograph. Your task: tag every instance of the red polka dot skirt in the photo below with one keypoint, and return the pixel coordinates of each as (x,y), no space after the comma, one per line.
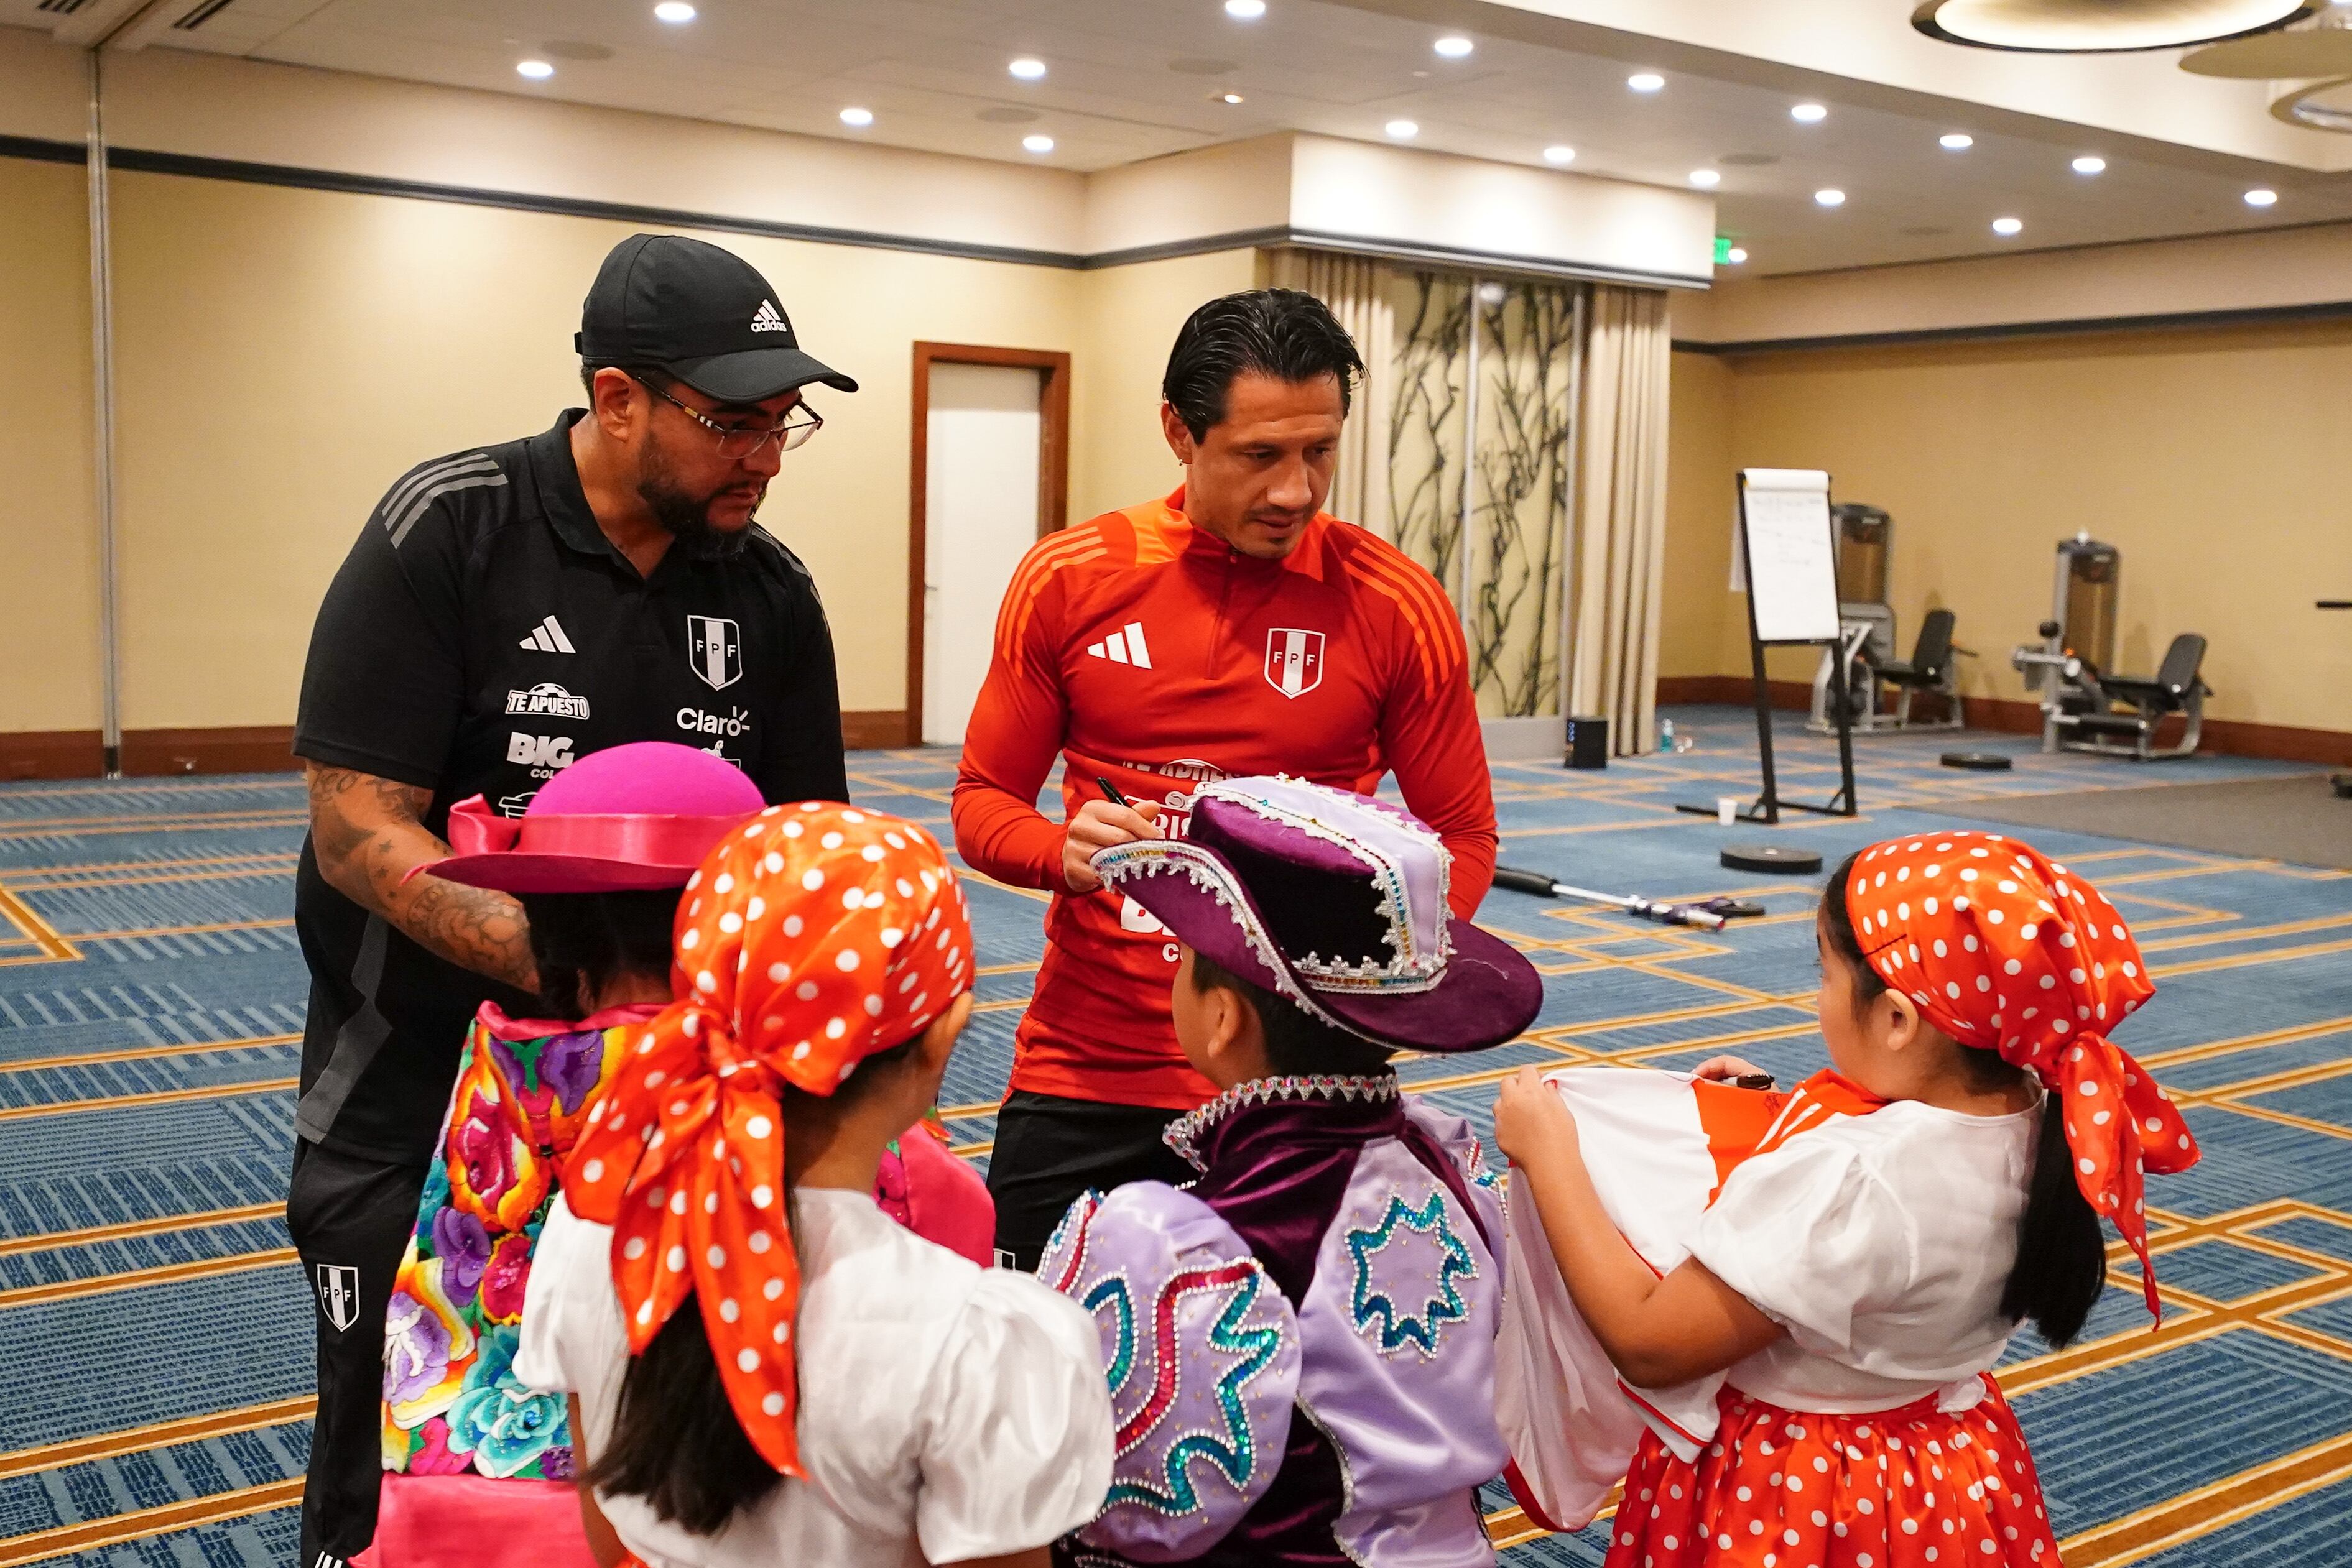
(1911,1487)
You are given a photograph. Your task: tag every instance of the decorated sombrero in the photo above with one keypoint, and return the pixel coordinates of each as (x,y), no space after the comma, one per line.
(1338,902)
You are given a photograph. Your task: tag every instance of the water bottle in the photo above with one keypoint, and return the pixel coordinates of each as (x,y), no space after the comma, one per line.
(1666,734)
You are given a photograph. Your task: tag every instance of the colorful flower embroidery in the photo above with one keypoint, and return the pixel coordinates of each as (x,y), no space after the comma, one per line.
(452,1405)
(503,1425)
(428,1345)
(1420,1327)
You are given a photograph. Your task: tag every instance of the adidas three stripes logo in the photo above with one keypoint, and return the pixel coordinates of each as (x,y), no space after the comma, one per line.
(547,638)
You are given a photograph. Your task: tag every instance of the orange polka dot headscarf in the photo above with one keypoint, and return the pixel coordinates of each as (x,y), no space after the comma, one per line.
(812,939)
(2005,951)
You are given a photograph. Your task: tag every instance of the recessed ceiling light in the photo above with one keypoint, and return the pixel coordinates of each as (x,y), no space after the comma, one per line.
(1562,154)
(1830,198)
(537,70)
(858,116)
(1028,68)
(1956,141)
(1705,179)
(1735,255)
(1453,46)
(2088,165)
(1807,113)
(1038,144)
(2260,198)
(1403,130)
(674,12)
(1225,97)
(1244,10)
(1645,81)
(2007,227)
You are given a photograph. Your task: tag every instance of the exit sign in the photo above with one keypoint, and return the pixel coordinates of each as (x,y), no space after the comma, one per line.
(1723,250)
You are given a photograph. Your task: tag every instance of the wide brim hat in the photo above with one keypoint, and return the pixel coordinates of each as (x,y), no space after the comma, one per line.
(1338,903)
(628,818)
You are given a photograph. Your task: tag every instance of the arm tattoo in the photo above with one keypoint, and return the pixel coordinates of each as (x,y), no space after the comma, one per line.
(369,832)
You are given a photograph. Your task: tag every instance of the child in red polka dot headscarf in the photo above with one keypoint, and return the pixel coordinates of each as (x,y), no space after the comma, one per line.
(766,1367)
(1860,1278)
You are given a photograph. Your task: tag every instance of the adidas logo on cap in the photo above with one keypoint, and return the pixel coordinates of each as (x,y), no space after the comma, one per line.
(769,319)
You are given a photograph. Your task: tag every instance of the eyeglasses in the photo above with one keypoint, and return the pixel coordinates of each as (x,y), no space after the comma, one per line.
(738,442)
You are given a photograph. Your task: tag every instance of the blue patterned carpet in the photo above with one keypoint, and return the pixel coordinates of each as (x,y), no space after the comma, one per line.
(155,1335)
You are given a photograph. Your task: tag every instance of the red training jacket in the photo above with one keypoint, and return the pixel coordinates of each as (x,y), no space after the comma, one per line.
(1156,655)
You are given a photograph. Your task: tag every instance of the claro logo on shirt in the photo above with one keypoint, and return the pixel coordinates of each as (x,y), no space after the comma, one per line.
(544,755)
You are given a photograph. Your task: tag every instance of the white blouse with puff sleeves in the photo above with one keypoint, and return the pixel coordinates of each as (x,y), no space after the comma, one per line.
(947,1412)
(1881,1243)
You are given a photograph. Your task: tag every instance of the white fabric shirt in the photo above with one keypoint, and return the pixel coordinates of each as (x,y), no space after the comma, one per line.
(947,1412)
(1881,1243)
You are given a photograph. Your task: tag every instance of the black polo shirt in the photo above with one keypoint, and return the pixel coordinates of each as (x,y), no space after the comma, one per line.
(482,636)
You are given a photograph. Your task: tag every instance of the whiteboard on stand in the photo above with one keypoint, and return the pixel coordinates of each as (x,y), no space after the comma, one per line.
(1791,553)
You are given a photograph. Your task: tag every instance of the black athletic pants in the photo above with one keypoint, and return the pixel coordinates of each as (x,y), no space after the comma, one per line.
(351,1220)
(1049,1150)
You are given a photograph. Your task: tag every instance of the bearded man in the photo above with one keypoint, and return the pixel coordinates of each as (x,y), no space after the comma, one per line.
(506,611)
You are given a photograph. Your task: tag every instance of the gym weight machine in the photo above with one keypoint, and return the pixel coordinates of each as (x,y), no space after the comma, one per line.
(2082,707)
(1865,644)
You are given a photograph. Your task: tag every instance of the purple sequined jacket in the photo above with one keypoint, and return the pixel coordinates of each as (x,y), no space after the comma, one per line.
(1300,1345)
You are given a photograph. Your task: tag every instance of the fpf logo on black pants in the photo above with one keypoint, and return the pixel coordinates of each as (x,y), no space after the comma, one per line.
(339,1294)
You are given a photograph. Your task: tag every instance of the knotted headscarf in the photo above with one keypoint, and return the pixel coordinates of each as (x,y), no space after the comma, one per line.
(812,939)
(2003,951)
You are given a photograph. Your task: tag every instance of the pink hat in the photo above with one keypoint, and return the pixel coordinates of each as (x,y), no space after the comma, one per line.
(639,816)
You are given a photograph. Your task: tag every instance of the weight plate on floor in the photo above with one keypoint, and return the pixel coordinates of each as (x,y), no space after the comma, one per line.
(1772,859)
(1980,761)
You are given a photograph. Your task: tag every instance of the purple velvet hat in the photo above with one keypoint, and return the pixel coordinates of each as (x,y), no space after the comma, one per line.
(1337,902)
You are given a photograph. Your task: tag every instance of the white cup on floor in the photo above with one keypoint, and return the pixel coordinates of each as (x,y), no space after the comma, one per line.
(1726,809)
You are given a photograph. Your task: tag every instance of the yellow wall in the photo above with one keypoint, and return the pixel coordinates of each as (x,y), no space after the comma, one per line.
(1699,498)
(49,593)
(1129,318)
(283,355)
(2213,459)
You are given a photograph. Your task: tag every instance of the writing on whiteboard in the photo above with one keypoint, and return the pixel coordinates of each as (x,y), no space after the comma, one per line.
(1791,554)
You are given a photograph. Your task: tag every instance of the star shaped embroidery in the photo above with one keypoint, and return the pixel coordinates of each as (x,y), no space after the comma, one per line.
(1436,1302)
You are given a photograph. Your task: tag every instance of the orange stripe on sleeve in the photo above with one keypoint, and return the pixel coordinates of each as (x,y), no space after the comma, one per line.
(1037,569)
(1427,613)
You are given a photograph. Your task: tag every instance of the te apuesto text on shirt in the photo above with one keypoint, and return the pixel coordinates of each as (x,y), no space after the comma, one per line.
(1152,655)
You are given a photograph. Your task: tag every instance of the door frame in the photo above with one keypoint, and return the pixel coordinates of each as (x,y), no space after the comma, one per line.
(1053,477)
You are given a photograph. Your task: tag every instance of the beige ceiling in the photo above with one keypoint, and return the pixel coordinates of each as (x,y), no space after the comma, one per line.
(1129,79)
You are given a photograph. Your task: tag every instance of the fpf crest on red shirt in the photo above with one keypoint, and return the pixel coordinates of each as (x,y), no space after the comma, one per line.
(1294,661)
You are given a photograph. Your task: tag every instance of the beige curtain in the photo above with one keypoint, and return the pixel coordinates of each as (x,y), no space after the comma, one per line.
(1621,515)
(1351,287)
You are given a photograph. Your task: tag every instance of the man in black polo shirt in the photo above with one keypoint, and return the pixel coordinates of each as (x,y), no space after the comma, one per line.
(507,611)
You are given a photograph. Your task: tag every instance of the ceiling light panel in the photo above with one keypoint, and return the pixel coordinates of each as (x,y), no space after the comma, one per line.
(2098,26)
(1809,113)
(1955,141)
(1454,46)
(1830,198)
(1028,68)
(1244,10)
(1645,81)
(676,13)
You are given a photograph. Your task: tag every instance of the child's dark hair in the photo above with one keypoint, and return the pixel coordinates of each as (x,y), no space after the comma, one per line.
(1297,1044)
(676,1441)
(583,942)
(2062,1256)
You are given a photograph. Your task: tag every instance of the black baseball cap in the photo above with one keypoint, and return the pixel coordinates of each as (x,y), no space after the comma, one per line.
(703,314)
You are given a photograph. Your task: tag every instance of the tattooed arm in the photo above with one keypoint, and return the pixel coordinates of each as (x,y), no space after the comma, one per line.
(368,832)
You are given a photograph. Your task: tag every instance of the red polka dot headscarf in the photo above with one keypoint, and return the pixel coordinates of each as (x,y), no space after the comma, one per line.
(2005,951)
(814,938)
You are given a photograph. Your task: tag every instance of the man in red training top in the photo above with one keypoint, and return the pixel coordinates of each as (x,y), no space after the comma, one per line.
(1233,628)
